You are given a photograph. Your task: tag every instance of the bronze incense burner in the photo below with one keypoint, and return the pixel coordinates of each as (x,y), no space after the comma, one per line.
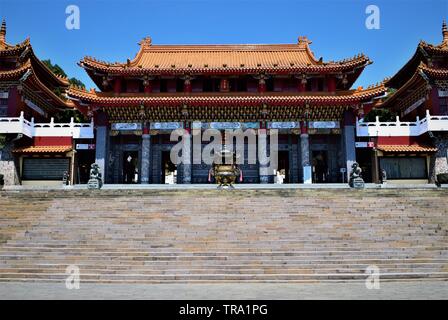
(224,169)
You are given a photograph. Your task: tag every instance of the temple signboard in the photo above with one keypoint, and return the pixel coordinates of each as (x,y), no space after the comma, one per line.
(225,125)
(166,125)
(324,124)
(284,125)
(364,144)
(126,126)
(85,146)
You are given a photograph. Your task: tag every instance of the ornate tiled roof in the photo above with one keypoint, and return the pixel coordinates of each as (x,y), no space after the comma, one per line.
(342,97)
(15,73)
(43,149)
(406,148)
(435,73)
(24,52)
(418,80)
(423,54)
(26,72)
(441,48)
(247,58)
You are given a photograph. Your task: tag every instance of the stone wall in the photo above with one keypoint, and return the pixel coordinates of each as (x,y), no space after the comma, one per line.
(8,164)
(438,161)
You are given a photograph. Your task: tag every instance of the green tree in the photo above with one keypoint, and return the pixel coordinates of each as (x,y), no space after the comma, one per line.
(56,69)
(384,115)
(77,82)
(64,116)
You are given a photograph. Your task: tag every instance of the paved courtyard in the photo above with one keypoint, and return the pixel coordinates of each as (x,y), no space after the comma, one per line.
(260,291)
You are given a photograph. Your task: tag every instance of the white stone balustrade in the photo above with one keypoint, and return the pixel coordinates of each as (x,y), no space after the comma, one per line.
(19,125)
(399,128)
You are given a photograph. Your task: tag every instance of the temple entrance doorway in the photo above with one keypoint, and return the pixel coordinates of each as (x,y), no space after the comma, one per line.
(85,158)
(320,166)
(130,167)
(364,158)
(282,174)
(168,169)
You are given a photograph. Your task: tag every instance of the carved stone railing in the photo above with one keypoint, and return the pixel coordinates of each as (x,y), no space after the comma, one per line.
(400,128)
(19,125)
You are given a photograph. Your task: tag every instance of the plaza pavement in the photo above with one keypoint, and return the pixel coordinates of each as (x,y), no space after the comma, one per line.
(420,289)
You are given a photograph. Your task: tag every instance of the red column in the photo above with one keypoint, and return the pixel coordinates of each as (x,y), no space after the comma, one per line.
(435,102)
(303,127)
(224,86)
(13,103)
(117,85)
(261,85)
(145,128)
(148,87)
(314,87)
(301,85)
(187,85)
(331,84)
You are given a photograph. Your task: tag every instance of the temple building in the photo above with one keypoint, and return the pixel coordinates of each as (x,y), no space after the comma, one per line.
(414,147)
(261,87)
(33,148)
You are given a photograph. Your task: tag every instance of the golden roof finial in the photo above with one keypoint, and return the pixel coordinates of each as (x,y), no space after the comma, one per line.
(445,32)
(3,32)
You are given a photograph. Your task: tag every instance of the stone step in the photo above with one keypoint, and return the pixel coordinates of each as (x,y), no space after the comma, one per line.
(157,236)
(139,278)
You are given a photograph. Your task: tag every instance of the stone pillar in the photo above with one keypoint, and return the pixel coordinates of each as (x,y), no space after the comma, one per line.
(262,156)
(101,149)
(305,157)
(439,160)
(349,144)
(146,158)
(8,166)
(186,155)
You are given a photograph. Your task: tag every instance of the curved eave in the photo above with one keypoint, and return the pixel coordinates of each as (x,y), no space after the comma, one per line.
(424,50)
(407,71)
(57,101)
(123,70)
(348,97)
(435,73)
(416,80)
(16,73)
(58,81)
(25,48)
(441,49)
(420,77)
(13,50)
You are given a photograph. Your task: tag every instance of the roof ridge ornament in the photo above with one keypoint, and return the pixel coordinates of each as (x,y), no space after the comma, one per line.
(146,42)
(304,40)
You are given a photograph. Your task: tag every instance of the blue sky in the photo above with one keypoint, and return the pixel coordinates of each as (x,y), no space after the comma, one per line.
(110,30)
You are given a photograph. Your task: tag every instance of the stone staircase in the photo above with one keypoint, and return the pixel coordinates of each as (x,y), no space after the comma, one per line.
(156,236)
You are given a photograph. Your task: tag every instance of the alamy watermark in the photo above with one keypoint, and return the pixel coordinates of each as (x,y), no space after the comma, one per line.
(373,277)
(73,20)
(373,18)
(190,148)
(74,278)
